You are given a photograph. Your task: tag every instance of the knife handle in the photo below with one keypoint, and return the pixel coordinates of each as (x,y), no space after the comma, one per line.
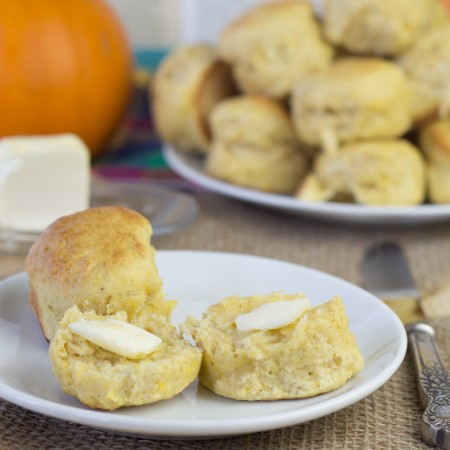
(434,385)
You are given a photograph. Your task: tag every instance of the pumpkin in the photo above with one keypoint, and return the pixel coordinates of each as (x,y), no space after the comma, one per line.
(65,66)
(446,4)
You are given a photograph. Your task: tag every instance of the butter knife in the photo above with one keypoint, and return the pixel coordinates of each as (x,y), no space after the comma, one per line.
(387,275)
(434,385)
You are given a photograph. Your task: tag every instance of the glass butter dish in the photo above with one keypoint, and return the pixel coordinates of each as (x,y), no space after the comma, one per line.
(167,210)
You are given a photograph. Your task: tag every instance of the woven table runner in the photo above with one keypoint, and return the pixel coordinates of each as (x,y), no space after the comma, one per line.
(387,419)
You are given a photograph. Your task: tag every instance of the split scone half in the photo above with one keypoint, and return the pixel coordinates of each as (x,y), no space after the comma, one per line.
(272,347)
(108,363)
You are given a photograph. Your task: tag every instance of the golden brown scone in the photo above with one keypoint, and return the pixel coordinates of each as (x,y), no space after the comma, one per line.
(379,27)
(103,379)
(186,86)
(382,173)
(316,353)
(427,65)
(435,142)
(99,259)
(274,45)
(254,145)
(355,99)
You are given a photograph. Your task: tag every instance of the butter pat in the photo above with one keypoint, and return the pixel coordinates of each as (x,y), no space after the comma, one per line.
(118,337)
(273,315)
(41,179)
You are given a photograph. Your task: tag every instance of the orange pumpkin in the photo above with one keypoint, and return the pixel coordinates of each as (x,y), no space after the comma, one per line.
(446,4)
(65,66)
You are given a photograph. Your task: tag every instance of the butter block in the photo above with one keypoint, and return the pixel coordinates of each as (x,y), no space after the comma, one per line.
(41,179)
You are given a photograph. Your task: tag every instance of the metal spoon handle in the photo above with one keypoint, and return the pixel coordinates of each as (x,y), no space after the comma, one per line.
(434,385)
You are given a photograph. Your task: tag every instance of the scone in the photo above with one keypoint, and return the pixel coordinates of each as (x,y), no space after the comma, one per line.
(274,45)
(382,173)
(102,378)
(185,87)
(355,99)
(379,27)
(435,142)
(315,353)
(99,259)
(254,145)
(427,65)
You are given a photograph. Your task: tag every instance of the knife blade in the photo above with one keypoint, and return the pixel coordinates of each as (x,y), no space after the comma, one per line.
(386,274)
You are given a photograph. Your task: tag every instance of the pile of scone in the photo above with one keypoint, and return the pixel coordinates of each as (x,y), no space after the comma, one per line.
(99,299)
(351,104)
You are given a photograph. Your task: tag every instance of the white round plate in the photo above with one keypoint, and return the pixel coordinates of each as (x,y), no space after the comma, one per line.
(191,167)
(196,280)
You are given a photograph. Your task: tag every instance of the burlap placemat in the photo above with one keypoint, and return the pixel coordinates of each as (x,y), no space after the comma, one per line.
(336,248)
(387,419)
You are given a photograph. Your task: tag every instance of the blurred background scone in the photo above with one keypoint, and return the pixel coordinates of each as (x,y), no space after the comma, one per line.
(379,27)
(354,99)
(100,259)
(427,65)
(315,353)
(356,71)
(185,88)
(254,145)
(273,46)
(103,379)
(435,142)
(385,172)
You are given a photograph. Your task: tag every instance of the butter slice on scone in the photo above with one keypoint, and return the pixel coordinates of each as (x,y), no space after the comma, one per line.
(313,354)
(109,378)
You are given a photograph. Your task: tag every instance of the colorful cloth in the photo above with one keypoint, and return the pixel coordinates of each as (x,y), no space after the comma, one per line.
(137,150)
